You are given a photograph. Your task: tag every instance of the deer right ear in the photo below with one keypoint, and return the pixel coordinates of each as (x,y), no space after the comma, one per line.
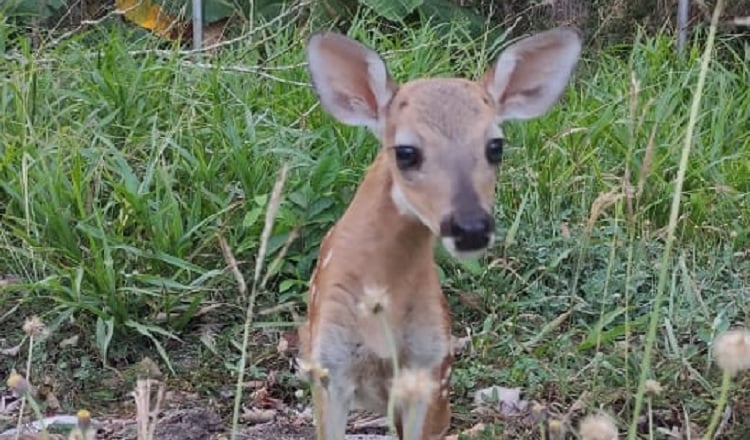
(352,81)
(531,74)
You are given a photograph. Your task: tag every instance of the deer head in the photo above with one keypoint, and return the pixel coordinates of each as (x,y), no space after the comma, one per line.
(443,134)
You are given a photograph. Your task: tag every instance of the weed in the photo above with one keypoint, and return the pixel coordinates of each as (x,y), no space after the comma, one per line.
(120,165)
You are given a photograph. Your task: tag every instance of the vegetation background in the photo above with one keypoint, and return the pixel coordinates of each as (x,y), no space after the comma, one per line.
(135,175)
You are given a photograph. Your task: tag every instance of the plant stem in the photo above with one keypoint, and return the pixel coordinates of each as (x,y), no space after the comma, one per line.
(672,226)
(271,211)
(726,381)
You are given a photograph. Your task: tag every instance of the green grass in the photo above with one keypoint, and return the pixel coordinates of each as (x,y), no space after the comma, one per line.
(118,172)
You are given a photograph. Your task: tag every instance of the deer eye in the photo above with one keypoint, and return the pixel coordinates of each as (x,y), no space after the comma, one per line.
(407,157)
(494,150)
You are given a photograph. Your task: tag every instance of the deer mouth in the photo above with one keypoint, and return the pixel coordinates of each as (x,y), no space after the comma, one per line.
(467,236)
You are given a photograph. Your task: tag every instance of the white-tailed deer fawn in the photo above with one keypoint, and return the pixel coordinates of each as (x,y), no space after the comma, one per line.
(375,296)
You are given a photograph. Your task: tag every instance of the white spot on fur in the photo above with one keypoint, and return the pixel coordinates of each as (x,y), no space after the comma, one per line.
(327,259)
(446,378)
(370,325)
(374,301)
(413,385)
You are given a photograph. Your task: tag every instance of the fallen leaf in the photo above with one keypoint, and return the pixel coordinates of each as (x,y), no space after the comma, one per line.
(283,345)
(503,401)
(471,432)
(8,280)
(564,230)
(12,351)
(262,399)
(292,340)
(178,396)
(69,342)
(471,300)
(459,344)
(362,420)
(214,32)
(255,415)
(52,404)
(254,384)
(149,15)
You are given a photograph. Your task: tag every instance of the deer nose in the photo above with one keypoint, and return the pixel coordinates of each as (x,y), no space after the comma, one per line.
(469,232)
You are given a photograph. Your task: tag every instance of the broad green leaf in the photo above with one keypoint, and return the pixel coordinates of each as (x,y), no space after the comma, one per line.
(148,331)
(104,331)
(394,10)
(251,217)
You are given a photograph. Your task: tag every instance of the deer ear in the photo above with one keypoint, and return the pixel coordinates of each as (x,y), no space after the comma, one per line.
(531,74)
(352,81)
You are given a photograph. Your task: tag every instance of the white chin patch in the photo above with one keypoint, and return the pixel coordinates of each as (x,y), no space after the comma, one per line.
(406,209)
(449,243)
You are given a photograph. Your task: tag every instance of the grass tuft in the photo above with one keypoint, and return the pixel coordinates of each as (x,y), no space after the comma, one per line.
(121,162)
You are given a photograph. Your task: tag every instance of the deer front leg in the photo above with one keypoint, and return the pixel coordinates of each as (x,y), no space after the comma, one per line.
(422,396)
(332,383)
(438,419)
(331,400)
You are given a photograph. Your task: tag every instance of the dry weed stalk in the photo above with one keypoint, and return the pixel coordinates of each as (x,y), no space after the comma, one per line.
(674,216)
(276,263)
(648,159)
(33,328)
(271,211)
(146,409)
(602,202)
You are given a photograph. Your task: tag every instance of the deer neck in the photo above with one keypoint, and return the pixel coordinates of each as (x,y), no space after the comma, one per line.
(392,244)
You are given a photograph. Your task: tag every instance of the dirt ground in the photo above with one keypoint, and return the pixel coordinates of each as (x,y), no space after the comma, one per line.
(200,424)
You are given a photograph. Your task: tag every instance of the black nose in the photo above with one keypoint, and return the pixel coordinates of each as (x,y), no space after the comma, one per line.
(469,232)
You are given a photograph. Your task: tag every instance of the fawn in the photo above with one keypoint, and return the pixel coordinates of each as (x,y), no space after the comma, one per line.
(375,299)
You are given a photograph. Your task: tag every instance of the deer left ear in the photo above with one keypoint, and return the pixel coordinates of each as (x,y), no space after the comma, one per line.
(351,80)
(531,74)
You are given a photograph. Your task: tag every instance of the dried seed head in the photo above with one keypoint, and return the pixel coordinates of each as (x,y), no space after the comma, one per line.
(413,385)
(732,350)
(18,384)
(84,418)
(653,387)
(556,429)
(538,411)
(598,427)
(83,430)
(146,368)
(33,326)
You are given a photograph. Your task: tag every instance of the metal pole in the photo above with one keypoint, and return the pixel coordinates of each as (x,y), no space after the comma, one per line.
(683,7)
(197,24)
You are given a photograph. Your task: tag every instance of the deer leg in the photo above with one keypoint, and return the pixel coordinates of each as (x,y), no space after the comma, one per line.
(438,418)
(422,420)
(332,400)
(413,416)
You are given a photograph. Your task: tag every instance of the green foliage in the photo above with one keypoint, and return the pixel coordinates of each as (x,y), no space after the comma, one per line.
(31,8)
(120,166)
(394,10)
